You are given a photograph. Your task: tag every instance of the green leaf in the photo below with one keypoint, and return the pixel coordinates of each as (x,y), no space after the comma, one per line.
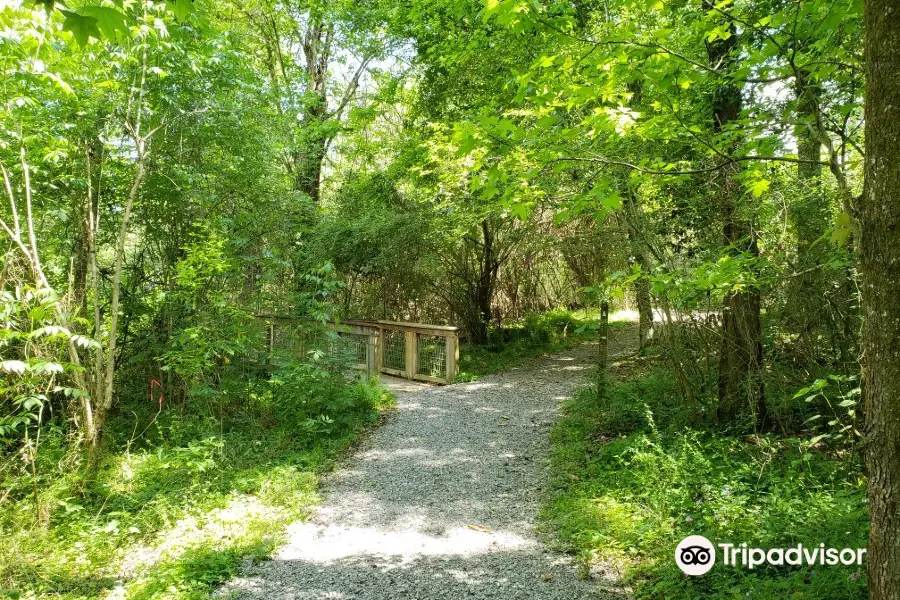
(65,87)
(83,28)
(84,342)
(841,231)
(818,438)
(182,9)
(13,366)
(490,8)
(49,330)
(47,367)
(465,139)
(760,187)
(613,201)
(110,21)
(48,5)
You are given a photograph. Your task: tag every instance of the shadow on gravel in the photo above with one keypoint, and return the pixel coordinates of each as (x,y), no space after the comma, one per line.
(448,577)
(441,503)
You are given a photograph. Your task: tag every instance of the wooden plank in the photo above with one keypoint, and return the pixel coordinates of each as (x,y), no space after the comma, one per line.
(357,329)
(375,346)
(379,359)
(372,354)
(439,330)
(429,379)
(452,358)
(412,354)
(358,322)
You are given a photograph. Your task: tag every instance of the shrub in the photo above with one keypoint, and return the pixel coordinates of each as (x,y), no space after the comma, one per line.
(633,478)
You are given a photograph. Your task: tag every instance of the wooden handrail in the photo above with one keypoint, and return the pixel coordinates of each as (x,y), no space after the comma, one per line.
(440,330)
(373,330)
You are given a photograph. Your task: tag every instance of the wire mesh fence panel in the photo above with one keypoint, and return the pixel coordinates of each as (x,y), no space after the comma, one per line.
(284,341)
(414,351)
(281,337)
(356,347)
(394,350)
(432,353)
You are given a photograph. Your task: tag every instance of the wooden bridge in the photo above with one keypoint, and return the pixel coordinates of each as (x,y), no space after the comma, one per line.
(409,350)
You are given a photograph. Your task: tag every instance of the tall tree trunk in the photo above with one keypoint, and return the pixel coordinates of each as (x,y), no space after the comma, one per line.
(645,308)
(80,258)
(484,286)
(308,166)
(809,214)
(106,378)
(637,247)
(84,208)
(809,147)
(638,258)
(879,220)
(105,359)
(310,156)
(741,351)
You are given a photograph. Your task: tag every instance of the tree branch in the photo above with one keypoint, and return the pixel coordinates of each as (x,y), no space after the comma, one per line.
(351,88)
(721,165)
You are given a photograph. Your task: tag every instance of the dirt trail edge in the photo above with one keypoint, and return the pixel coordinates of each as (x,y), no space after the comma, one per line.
(442,501)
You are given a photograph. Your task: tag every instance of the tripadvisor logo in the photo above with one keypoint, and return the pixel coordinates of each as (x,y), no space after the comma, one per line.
(696,555)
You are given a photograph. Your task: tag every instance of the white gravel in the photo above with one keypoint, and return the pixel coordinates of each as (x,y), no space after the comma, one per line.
(441,502)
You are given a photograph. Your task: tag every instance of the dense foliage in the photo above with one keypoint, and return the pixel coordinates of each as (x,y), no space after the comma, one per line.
(634,476)
(178,175)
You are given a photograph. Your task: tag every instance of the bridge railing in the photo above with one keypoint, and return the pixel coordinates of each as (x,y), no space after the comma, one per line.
(418,351)
(410,350)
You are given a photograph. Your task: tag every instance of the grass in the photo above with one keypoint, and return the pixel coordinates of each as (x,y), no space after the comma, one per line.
(183,507)
(538,334)
(632,479)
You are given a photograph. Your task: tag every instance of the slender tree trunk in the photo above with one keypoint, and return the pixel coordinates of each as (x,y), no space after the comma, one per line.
(603,349)
(809,214)
(483,287)
(741,351)
(638,257)
(808,145)
(638,252)
(80,260)
(106,379)
(879,217)
(645,310)
(106,359)
(84,208)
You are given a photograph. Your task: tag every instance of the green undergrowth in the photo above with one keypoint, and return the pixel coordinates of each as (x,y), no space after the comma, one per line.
(632,478)
(188,501)
(535,335)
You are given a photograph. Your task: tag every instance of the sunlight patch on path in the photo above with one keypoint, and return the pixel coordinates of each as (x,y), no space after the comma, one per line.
(441,502)
(324,545)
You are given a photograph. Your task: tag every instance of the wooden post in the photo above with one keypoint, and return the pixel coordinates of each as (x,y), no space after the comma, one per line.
(412,352)
(372,365)
(379,360)
(452,343)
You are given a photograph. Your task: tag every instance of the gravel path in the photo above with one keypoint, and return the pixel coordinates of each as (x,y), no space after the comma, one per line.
(441,502)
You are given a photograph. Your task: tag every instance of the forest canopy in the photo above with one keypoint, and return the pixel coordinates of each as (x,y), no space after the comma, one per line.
(179,175)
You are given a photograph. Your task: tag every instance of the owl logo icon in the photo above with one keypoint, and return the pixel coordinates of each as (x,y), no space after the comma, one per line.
(695,555)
